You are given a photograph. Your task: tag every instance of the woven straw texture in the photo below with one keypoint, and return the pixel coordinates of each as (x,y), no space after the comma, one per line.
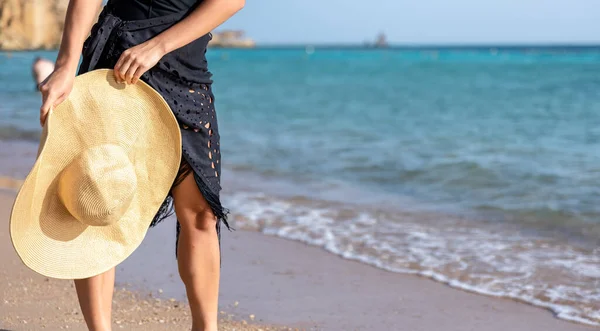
(107,159)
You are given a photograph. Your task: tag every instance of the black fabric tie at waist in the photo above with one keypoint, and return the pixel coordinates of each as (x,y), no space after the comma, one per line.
(110,26)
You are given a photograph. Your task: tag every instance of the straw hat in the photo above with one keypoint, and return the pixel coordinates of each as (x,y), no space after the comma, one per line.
(107,159)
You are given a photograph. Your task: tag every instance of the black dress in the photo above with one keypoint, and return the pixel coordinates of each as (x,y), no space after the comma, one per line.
(181,77)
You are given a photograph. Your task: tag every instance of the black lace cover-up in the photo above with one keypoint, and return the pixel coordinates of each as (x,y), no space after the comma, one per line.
(183,79)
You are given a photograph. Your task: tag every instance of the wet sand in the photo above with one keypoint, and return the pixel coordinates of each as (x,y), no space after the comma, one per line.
(265,280)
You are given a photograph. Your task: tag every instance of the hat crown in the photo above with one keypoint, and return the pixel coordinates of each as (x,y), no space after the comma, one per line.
(98,186)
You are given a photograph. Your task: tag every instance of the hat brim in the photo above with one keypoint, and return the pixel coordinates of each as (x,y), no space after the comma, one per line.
(46,237)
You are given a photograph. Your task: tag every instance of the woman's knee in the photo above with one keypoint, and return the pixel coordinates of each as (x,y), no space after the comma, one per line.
(193,211)
(198,218)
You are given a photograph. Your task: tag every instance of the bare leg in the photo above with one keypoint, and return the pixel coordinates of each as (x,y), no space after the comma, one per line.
(198,254)
(95,299)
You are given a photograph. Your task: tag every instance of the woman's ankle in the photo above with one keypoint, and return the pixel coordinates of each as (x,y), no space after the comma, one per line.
(201,327)
(101,327)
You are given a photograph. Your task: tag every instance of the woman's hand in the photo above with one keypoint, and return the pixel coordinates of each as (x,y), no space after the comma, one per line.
(55,89)
(78,22)
(135,61)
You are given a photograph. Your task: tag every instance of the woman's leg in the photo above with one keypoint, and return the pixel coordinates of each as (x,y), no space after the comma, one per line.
(198,253)
(95,299)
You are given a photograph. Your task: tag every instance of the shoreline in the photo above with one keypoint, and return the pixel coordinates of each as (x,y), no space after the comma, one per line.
(277,282)
(22,154)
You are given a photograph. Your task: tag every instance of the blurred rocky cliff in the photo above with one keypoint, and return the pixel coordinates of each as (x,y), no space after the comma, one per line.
(31,24)
(38,24)
(231,38)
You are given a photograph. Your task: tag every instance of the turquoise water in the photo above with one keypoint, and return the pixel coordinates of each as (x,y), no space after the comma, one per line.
(461,165)
(517,132)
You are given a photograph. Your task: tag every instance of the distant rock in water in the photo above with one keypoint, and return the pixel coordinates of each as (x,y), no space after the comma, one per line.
(31,24)
(381,41)
(230,38)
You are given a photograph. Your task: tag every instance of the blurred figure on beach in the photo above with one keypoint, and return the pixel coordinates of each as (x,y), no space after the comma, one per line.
(41,69)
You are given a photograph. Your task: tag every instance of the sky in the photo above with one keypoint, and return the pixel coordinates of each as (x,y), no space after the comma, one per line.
(420,21)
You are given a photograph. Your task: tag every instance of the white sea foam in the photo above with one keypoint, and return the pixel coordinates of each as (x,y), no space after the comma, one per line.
(468,255)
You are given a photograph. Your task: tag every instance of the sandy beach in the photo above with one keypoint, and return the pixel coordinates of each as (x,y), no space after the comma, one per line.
(267,284)
(29,301)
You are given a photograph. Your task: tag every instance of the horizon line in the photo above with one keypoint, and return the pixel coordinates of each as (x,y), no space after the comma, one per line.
(441,44)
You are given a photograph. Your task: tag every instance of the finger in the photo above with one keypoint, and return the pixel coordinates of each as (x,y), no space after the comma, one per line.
(44,111)
(116,75)
(48,100)
(130,74)
(60,100)
(124,69)
(138,73)
(124,66)
(48,105)
(44,116)
(117,67)
(42,87)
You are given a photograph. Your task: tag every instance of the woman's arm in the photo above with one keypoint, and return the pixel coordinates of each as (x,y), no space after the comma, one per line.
(81,15)
(137,60)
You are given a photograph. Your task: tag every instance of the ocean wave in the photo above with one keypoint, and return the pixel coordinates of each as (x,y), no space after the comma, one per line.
(473,256)
(557,221)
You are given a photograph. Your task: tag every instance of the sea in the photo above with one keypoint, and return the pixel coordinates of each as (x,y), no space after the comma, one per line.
(478,167)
